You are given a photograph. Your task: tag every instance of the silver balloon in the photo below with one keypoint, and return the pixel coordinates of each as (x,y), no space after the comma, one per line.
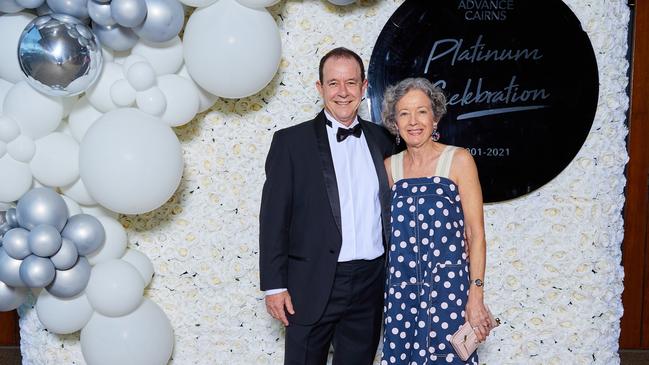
(42,206)
(10,297)
(68,283)
(86,232)
(15,243)
(100,13)
(59,55)
(37,272)
(67,255)
(4,228)
(44,240)
(164,20)
(43,10)
(10,270)
(30,4)
(75,8)
(115,36)
(11,218)
(128,13)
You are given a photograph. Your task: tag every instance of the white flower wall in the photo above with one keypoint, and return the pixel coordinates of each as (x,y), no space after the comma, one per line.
(553,271)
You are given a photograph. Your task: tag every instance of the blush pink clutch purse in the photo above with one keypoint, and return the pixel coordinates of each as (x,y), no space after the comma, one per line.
(465,341)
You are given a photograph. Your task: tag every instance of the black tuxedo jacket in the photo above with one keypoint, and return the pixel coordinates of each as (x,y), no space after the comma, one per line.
(300,235)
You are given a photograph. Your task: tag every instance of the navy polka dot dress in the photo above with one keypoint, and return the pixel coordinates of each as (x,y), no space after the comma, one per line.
(428,275)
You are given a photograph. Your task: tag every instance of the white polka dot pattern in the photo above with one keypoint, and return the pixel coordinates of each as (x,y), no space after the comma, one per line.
(427,283)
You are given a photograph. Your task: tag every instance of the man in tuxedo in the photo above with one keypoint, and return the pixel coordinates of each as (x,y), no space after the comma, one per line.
(324,221)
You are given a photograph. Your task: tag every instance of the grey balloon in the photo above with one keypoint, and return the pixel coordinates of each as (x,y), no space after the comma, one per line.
(164,20)
(59,55)
(86,232)
(115,36)
(16,243)
(10,297)
(100,13)
(75,8)
(67,255)
(42,206)
(43,10)
(4,228)
(30,4)
(44,240)
(128,13)
(11,218)
(68,283)
(10,270)
(10,6)
(37,272)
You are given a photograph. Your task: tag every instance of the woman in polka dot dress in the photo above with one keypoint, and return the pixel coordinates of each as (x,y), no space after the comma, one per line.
(436,220)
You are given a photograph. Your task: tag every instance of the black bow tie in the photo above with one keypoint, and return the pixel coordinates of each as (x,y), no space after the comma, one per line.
(343,133)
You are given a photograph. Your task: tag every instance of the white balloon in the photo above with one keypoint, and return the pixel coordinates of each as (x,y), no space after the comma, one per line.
(11,297)
(22,148)
(81,117)
(165,57)
(114,244)
(141,76)
(342,2)
(77,191)
(144,337)
(197,3)
(99,211)
(258,4)
(151,101)
(99,93)
(3,149)
(9,129)
(11,26)
(73,207)
(56,162)
(68,102)
(206,100)
(4,89)
(37,114)
(63,316)
(230,50)
(115,288)
(19,179)
(130,162)
(182,99)
(122,93)
(141,262)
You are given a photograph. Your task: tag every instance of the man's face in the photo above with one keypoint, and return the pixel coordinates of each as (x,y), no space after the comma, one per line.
(341,88)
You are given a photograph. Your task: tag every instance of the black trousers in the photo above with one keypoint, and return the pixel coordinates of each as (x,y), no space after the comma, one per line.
(351,320)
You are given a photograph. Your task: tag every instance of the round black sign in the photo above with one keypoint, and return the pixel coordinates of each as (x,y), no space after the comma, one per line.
(520,78)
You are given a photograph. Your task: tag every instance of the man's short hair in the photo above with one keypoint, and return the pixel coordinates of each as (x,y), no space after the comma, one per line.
(342,52)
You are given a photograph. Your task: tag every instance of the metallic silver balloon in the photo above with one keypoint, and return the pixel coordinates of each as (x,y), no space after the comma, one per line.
(59,55)
(100,13)
(37,272)
(15,243)
(128,13)
(10,297)
(10,270)
(4,228)
(67,255)
(68,283)
(44,240)
(30,4)
(115,36)
(11,218)
(43,10)
(164,20)
(42,206)
(86,232)
(75,8)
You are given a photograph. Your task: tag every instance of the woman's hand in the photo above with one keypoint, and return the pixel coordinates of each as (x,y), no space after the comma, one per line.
(477,315)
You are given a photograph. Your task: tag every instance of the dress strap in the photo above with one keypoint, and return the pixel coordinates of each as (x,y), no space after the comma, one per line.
(444,163)
(396,165)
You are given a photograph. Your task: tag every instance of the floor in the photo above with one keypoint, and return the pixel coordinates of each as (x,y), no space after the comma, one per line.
(11,356)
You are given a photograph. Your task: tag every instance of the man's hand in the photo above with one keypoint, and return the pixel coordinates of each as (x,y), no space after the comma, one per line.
(278,304)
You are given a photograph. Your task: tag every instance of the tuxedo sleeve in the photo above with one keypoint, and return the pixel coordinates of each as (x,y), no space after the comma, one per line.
(275,215)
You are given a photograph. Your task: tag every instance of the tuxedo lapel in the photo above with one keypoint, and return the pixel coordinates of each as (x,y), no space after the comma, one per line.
(327,166)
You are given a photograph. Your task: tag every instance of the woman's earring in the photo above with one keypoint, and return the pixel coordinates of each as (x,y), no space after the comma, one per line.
(435,135)
(397,138)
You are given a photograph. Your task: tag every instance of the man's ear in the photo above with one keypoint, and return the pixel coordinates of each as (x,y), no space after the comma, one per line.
(318,86)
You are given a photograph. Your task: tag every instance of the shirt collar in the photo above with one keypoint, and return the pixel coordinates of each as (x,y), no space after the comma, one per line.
(334,122)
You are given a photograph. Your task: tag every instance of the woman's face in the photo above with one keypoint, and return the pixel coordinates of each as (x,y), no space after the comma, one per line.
(415,118)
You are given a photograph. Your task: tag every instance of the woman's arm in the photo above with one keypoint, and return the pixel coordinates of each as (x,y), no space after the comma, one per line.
(388,170)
